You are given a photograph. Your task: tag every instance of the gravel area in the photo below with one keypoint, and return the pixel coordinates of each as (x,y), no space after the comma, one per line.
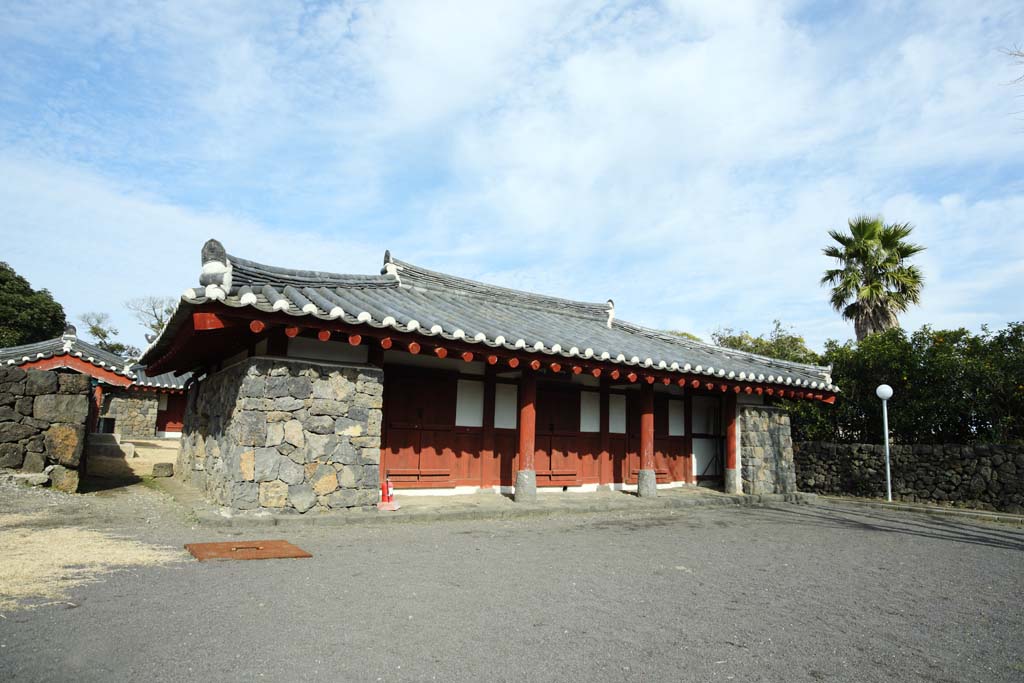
(782,593)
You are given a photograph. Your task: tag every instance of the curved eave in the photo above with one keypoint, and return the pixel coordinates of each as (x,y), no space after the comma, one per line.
(38,357)
(788,376)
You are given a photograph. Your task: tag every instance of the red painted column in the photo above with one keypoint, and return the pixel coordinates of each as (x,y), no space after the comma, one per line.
(527,420)
(526,477)
(732,481)
(97,408)
(489,468)
(647,427)
(730,432)
(647,479)
(607,472)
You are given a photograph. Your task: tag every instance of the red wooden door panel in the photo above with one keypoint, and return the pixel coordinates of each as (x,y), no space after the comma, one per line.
(172,418)
(421,448)
(467,463)
(506,442)
(400,454)
(558,422)
(589,445)
(617,445)
(437,457)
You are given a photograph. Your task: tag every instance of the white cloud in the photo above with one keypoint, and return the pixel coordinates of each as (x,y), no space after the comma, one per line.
(685,159)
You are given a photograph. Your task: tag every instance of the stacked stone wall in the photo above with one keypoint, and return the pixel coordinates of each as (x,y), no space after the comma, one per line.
(134,414)
(989,477)
(43,414)
(288,436)
(766,450)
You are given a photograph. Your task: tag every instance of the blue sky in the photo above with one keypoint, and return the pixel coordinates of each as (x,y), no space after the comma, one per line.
(683,158)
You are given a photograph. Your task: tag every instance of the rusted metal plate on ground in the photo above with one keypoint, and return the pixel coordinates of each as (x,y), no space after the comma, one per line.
(246,550)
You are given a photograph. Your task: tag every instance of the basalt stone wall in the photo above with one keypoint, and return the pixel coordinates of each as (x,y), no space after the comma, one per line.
(134,414)
(766,450)
(42,423)
(285,435)
(982,476)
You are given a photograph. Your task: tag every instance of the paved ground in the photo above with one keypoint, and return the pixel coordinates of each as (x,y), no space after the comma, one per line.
(786,593)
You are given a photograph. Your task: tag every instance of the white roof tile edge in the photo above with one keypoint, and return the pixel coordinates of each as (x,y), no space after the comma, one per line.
(364,317)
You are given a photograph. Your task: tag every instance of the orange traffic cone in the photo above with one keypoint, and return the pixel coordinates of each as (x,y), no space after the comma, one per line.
(387,496)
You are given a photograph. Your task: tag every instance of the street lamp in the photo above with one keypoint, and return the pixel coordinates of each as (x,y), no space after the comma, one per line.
(884,392)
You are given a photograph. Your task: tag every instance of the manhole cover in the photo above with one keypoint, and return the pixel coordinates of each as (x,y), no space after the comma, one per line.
(245,550)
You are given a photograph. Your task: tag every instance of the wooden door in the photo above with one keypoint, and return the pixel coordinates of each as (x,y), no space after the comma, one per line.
(171,417)
(420,447)
(558,422)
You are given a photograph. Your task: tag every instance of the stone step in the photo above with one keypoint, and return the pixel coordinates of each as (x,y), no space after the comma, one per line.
(156,442)
(156,453)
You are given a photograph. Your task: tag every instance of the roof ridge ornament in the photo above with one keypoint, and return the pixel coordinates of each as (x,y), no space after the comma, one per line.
(216,272)
(391,268)
(611,313)
(69,337)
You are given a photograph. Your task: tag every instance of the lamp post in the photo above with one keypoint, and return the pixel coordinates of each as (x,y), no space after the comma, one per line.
(884,392)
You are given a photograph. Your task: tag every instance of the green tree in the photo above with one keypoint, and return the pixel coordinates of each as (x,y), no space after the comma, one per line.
(26,315)
(950,386)
(873,282)
(684,335)
(780,343)
(100,328)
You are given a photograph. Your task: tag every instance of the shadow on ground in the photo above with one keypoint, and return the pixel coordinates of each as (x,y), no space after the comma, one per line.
(909,525)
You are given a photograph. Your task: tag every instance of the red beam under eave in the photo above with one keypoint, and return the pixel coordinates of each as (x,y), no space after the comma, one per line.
(79,365)
(204,321)
(219,319)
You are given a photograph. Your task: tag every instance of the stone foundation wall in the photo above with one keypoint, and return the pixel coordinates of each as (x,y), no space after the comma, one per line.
(134,414)
(42,423)
(766,450)
(988,477)
(285,435)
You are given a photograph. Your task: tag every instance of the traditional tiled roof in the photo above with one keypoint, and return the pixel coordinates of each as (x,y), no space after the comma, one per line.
(411,299)
(66,345)
(167,380)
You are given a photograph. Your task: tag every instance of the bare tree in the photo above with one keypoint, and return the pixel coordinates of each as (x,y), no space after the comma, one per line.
(152,311)
(1017,53)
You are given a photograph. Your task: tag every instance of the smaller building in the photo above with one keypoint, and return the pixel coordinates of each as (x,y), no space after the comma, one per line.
(124,400)
(150,407)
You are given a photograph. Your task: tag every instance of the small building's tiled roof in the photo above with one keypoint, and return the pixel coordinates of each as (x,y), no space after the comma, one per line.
(408,298)
(66,345)
(167,380)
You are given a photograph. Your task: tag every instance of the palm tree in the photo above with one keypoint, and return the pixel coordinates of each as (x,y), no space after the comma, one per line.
(874,281)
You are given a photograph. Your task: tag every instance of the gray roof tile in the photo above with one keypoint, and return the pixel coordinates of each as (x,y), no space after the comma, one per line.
(67,344)
(409,298)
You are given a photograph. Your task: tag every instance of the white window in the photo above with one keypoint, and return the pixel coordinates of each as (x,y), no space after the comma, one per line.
(469,404)
(161,403)
(506,408)
(590,411)
(616,414)
(676,418)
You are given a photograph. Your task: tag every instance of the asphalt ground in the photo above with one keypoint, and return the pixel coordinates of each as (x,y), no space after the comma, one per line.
(781,593)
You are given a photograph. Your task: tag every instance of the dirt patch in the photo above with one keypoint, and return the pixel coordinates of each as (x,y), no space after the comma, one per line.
(40,564)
